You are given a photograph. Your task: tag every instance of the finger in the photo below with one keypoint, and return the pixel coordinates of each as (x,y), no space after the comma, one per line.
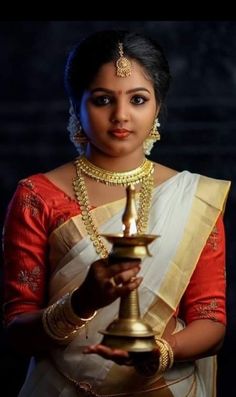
(105,351)
(134,283)
(123,277)
(113,259)
(124,266)
(119,356)
(126,276)
(112,281)
(123,289)
(110,284)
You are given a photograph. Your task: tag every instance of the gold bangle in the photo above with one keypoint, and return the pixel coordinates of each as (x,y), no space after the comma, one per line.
(166,359)
(52,331)
(170,352)
(60,321)
(89,318)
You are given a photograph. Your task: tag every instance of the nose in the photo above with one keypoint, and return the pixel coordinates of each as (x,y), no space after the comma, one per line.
(120,112)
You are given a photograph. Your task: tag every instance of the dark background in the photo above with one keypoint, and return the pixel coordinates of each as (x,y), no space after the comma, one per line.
(199,133)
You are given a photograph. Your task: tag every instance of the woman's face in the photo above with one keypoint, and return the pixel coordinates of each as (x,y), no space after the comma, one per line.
(117,113)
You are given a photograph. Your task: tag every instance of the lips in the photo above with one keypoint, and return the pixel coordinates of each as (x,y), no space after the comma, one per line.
(120,133)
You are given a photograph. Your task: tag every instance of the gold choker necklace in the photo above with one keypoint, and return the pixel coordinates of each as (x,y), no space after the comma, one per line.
(115,178)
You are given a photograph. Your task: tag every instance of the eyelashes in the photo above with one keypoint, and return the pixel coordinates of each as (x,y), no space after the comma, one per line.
(101,100)
(104,100)
(138,100)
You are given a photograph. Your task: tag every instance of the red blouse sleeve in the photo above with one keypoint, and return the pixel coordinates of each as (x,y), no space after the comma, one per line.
(205,294)
(25,249)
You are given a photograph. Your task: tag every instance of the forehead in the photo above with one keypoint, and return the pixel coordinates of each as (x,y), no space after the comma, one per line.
(107,78)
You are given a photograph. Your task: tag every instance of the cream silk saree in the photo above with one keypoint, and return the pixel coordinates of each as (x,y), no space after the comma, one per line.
(184,211)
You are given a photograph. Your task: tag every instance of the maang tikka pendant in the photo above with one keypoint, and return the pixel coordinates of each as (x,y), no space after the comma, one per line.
(123,65)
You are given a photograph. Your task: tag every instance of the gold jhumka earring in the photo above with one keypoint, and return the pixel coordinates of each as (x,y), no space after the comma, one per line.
(79,137)
(153,136)
(123,65)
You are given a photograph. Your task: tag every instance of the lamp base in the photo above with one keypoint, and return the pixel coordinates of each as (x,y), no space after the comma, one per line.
(132,335)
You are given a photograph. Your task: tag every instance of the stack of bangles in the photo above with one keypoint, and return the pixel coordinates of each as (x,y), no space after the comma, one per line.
(166,358)
(158,361)
(60,322)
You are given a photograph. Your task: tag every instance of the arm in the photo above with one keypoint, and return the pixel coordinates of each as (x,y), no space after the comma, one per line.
(203,304)
(199,339)
(27,271)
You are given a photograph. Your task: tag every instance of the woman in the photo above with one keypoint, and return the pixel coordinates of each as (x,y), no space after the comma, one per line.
(61,289)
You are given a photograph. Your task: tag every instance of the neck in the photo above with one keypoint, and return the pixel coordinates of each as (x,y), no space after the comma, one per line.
(116,164)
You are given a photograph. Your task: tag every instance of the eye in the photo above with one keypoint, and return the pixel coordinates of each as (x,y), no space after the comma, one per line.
(101,100)
(138,100)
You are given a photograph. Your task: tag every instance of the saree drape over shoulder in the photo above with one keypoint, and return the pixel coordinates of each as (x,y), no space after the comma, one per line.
(186,213)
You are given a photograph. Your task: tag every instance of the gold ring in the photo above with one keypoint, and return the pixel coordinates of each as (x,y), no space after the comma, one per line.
(112,281)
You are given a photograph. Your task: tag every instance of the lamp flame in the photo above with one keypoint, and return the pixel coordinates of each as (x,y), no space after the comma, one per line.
(130,214)
(131,229)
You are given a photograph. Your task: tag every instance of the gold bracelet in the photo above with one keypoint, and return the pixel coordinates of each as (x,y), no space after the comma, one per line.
(60,321)
(54,332)
(166,359)
(170,352)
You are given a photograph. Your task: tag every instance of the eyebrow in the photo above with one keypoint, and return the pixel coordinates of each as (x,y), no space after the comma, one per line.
(137,89)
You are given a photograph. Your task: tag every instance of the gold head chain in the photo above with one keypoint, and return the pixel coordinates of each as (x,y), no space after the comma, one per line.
(123,65)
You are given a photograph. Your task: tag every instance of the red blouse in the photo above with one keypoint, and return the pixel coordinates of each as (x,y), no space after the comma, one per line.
(38,207)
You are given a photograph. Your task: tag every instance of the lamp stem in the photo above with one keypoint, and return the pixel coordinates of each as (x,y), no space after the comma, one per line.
(129,306)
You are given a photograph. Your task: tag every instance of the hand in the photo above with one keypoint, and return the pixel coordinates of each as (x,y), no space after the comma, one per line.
(119,356)
(105,282)
(146,363)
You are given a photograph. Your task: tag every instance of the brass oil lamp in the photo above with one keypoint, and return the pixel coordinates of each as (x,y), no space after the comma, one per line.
(129,332)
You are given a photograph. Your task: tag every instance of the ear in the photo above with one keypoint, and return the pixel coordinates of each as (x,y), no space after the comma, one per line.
(76,108)
(158,109)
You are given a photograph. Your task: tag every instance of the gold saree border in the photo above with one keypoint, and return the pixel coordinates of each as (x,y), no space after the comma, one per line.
(208,202)
(73,230)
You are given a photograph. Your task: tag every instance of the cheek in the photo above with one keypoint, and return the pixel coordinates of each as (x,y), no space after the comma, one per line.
(94,119)
(94,128)
(147,125)
(88,122)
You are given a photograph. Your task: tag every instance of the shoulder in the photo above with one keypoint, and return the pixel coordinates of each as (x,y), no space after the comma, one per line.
(163,173)
(48,182)
(206,180)
(35,184)
(213,191)
(28,195)
(62,177)
(61,171)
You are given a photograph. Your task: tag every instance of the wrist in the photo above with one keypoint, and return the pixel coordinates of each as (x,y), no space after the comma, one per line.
(61,323)
(84,311)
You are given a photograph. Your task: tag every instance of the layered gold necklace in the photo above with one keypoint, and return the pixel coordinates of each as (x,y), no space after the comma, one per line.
(142,174)
(115,178)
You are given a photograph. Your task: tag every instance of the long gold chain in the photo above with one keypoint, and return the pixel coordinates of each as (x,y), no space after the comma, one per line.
(115,178)
(82,197)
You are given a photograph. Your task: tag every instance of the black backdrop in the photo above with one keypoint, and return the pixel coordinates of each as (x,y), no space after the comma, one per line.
(199,133)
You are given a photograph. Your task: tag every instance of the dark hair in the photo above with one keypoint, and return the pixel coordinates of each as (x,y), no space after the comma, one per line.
(90,54)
